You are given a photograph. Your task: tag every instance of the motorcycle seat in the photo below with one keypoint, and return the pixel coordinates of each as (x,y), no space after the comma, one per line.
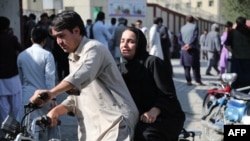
(240,95)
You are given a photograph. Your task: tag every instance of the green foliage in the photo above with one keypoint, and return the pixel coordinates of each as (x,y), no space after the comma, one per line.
(231,9)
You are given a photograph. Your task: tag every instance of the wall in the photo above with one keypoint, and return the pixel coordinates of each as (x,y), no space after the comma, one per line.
(11,9)
(175,20)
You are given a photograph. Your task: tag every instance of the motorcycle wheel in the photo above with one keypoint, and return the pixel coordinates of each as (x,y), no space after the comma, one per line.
(209,133)
(207,102)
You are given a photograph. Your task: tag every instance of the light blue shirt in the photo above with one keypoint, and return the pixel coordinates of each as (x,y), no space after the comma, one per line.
(101,33)
(36,68)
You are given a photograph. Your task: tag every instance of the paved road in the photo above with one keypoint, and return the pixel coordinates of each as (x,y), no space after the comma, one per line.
(190,98)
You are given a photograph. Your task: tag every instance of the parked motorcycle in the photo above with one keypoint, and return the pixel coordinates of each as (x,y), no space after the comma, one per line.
(224,106)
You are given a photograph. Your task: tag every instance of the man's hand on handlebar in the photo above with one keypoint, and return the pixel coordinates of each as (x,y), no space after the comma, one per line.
(40,97)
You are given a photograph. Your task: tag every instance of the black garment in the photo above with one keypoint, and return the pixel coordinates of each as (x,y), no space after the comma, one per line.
(150,83)
(9,49)
(238,40)
(61,59)
(241,67)
(165,45)
(27,34)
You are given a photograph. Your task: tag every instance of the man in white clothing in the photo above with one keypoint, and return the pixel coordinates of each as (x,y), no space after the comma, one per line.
(155,40)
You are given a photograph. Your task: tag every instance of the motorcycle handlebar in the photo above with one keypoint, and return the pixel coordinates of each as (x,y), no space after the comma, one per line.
(43,96)
(46,121)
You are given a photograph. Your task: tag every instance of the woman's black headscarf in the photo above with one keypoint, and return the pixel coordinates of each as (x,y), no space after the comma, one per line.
(137,62)
(242,27)
(141,44)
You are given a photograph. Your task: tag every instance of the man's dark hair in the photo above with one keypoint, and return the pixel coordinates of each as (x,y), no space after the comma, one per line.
(100,16)
(89,21)
(68,20)
(44,15)
(113,21)
(155,20)
(32,16)
(229,24)
(4,23)
(190,18)
(160,19)
(39,34)
(139,21)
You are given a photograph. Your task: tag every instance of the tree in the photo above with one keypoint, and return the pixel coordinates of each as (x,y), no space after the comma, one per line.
(232,9)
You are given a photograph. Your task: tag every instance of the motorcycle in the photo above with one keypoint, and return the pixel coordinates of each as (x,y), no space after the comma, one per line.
(27,130)
(224,106)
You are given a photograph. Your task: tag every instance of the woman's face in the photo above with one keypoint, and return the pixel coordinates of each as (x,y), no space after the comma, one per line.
(128,44)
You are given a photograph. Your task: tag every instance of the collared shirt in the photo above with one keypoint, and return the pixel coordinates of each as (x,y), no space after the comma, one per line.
(104,101)
(36,68)
(101,33)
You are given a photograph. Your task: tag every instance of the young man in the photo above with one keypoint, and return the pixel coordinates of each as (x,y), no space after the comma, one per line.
(98,96)
(36,67)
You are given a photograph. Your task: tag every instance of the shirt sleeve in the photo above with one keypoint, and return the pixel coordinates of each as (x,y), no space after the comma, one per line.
(69,103)
(218,43)
(107,34)
(88,68)
(194,37)
(50,71)
(180,41)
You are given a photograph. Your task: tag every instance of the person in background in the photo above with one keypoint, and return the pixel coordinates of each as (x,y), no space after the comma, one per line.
(116,38)
(150,83)
(36,67)
(213,46)
(238,44)
(111,28)
(203,50)
(165,35)
(61,60)
(190,56)
(88,26)
(144,29)
(224,56)
(44,23)
(100,32)
(28,27)
(154,45)
(10,84)
(98,96)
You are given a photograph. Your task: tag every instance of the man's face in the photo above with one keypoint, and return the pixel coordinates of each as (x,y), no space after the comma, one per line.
(67,40)
(138,25)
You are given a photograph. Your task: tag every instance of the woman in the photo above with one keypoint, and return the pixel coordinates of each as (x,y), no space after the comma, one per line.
(238,43)
(224,52)
(150,83)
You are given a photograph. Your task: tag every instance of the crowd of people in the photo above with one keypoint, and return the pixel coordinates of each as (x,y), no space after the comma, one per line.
(119,79)
(227,51)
